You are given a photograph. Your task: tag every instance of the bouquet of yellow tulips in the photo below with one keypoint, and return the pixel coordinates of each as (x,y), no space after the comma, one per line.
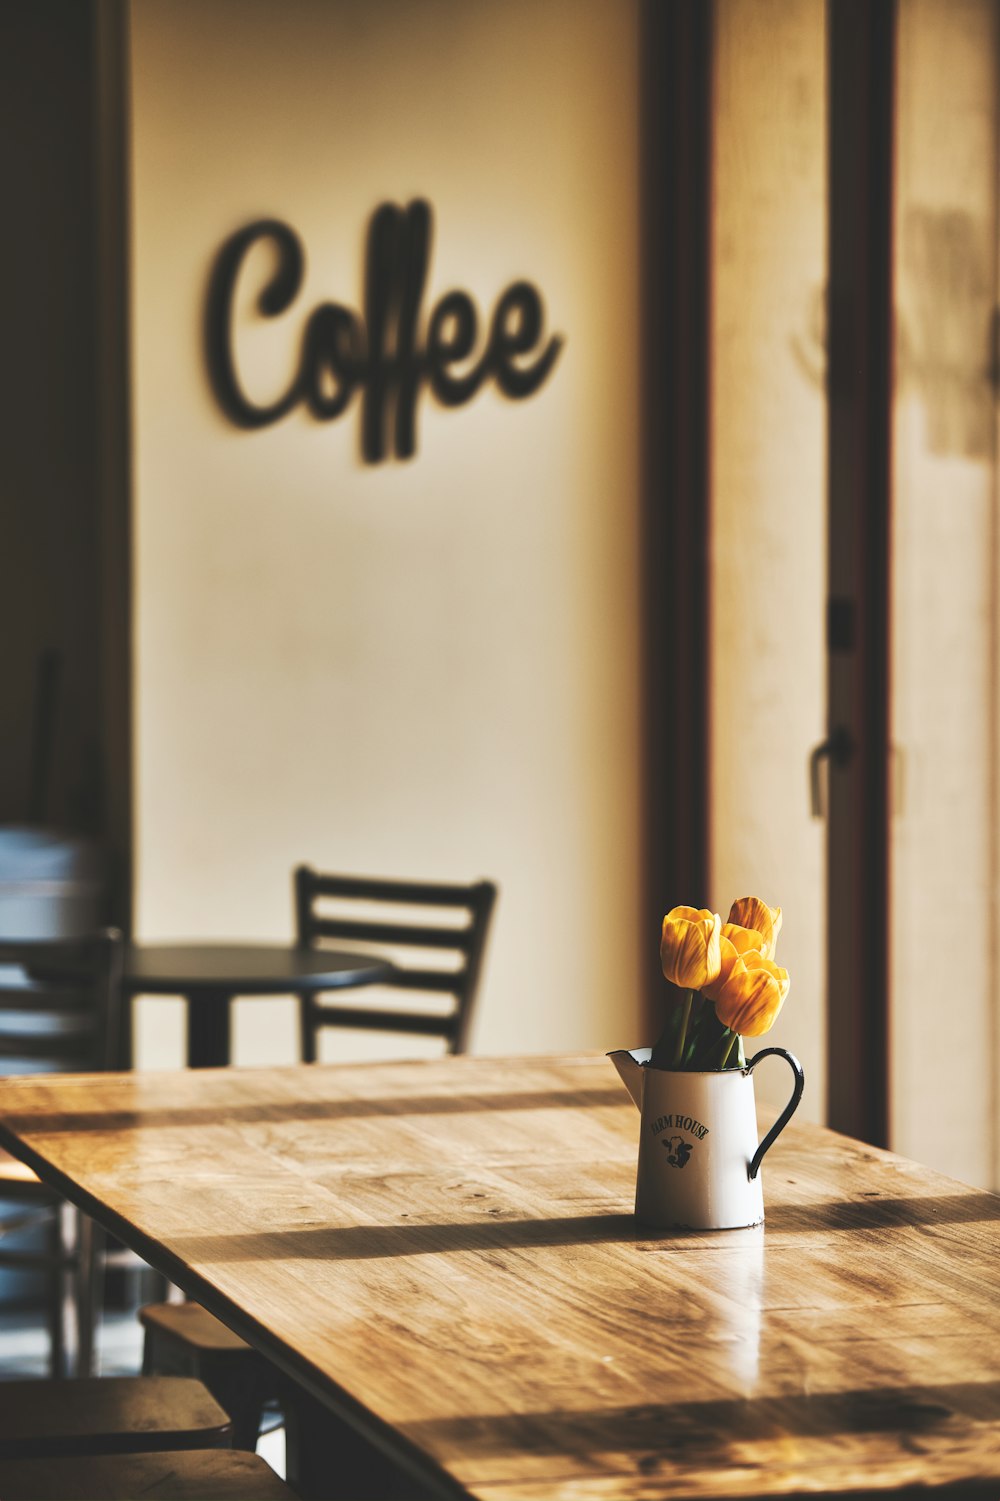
(729,986)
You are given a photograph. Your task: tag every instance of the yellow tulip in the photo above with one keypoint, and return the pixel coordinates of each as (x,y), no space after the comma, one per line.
(752,996)
(689,946)
(751,912)
(729,954)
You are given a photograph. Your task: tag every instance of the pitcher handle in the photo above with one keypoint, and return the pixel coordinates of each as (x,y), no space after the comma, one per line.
(790,1108)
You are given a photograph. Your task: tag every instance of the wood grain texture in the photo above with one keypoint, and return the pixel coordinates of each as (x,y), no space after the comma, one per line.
(444,1253)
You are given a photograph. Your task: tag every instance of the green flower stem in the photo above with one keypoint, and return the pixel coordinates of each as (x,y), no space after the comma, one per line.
(729,1042)
(682,1038)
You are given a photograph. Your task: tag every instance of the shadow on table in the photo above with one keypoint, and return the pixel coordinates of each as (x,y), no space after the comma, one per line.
(318,1110)
(688,1431)
(495,1233)
(374,1242)
(877,1214)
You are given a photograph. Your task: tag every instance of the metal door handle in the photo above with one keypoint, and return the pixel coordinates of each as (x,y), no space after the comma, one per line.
(837,748)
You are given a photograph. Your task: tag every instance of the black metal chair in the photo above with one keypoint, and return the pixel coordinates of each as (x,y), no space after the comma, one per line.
(408,918)
(60,1005)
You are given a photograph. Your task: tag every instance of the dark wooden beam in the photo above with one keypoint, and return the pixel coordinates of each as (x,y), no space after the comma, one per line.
(676,117)
(111,416)
(861,94)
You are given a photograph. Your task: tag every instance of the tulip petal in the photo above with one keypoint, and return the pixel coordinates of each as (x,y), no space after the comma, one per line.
(689,946)
(729,956)
(690,914)
(751,912)
(744,940)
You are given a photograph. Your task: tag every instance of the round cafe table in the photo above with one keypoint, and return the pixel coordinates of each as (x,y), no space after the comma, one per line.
(211,975)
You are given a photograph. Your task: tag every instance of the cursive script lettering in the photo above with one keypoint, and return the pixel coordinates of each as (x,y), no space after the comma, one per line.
(381,355)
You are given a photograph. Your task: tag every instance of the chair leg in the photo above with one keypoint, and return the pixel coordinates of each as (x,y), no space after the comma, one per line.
(54,1302)
(307,1031)
(89,1298)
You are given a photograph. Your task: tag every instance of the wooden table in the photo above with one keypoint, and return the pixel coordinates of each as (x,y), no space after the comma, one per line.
(444,1255)
(209,976)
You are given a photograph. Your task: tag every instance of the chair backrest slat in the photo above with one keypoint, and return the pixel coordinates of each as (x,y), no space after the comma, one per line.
(406,935)
(60,1000)
(26,994)
(438,981)
(416,1023)
(63,1054)
(465,941)
(377,889)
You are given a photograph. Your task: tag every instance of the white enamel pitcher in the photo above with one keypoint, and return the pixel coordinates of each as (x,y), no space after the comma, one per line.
(699,1159)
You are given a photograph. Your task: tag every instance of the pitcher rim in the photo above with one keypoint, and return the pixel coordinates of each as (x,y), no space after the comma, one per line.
(696,1073)
(690,1073)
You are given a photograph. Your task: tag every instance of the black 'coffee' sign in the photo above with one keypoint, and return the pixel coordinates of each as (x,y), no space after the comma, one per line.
(379,354)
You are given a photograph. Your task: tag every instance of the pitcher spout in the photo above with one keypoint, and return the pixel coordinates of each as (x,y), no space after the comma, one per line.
(629,1063)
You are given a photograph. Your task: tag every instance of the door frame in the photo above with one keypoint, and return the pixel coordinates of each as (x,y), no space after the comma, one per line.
(862,41)
(675,235)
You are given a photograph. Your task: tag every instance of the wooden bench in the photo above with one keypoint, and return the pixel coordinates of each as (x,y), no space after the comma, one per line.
(201,1475)
(109,1415)
(184,1339)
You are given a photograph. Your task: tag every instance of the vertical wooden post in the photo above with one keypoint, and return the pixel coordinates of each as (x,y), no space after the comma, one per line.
(676,115)
(862,53)
(112,418)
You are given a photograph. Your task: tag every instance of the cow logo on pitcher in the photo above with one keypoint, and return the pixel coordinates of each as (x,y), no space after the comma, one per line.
(678,1150)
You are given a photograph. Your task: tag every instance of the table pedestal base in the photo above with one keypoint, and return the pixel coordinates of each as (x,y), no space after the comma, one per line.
(208,1029)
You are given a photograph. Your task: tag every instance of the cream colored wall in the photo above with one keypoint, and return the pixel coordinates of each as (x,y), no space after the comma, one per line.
(768,556)
(425,668)
(945,1107)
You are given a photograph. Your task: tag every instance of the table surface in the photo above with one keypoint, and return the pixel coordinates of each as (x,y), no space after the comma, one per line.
(245,968)
(445,1252)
